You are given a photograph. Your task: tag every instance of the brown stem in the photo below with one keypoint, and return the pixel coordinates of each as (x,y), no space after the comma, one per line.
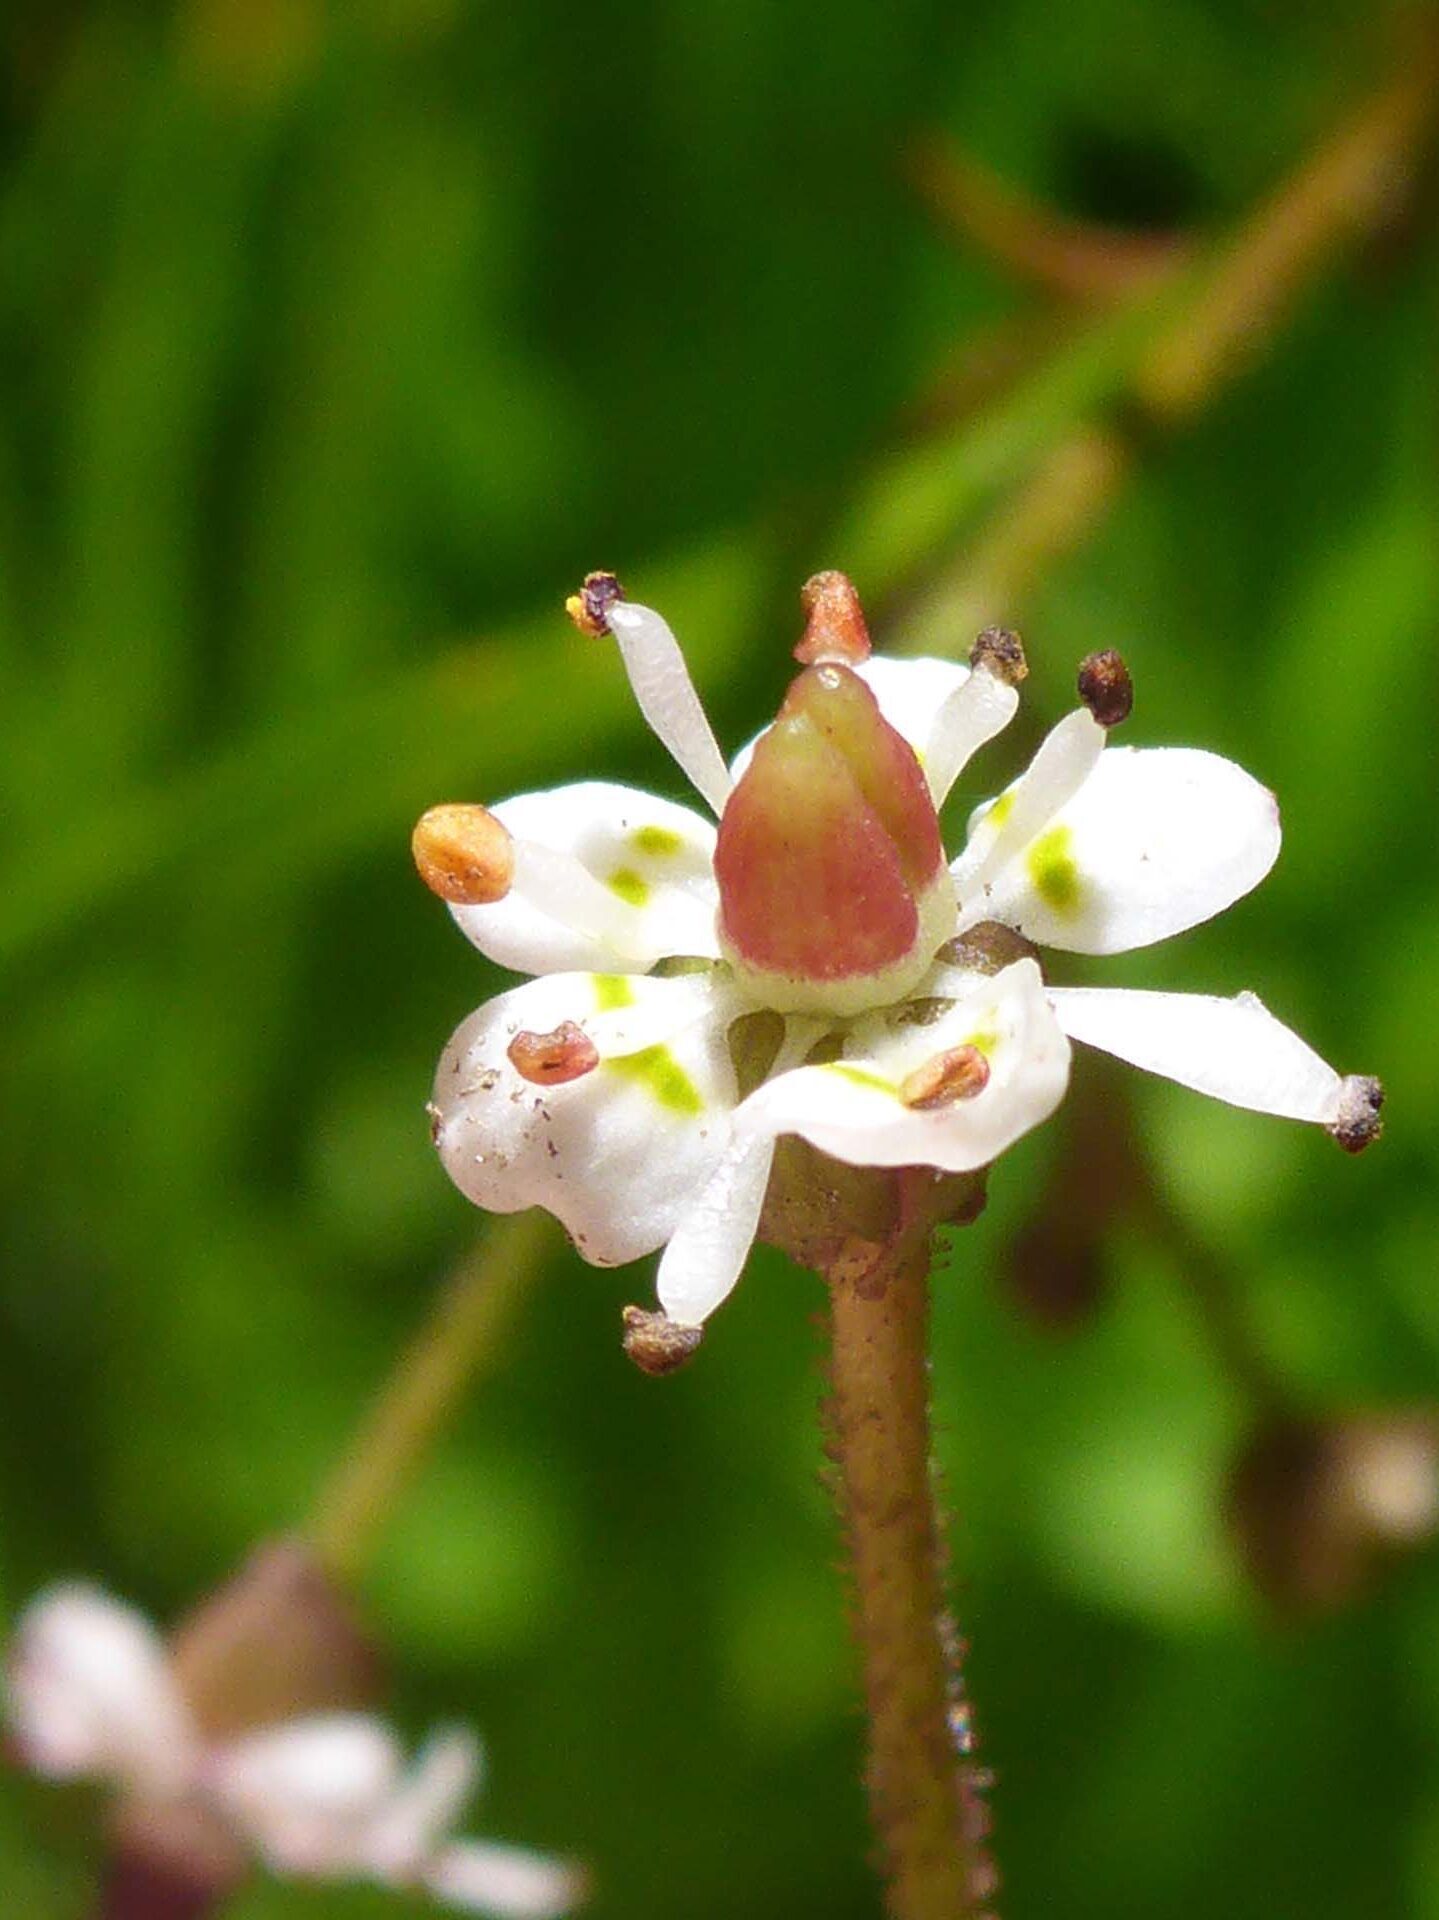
(1232,306)
(462,1333)
(923,1793)
(1071,259)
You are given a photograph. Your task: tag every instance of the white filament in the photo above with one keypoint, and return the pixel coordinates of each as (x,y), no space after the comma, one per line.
(708,1249)
(1065,760)
(667,698)
(1233,1050)
(975,712)
(564,888)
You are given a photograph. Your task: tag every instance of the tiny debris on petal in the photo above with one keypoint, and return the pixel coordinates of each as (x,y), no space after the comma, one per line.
(1105,687)
(1358,1124)
(657,1344)
(590,607)
(957,1074)
(551,1059)
(464,855)
(835,626)
(1001,653)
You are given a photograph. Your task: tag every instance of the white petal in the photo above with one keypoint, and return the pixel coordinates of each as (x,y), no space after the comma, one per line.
(710,1244)
(667,698)
(1064,762)
(973,714)
(851,1108)
(1233,1049)
(1156,840)
(90,1692)
(911,694)
(425,1805)
(307,1792)
(616,1155)
(650,860)
(505,1881)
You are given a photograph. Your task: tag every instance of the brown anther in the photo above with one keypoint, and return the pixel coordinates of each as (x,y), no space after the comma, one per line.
(657,1344)
(590,607)
(958,1074)
(1358,1124)
(835,626)
(1002,654)
(1105,687)
(464,855)
(987,947)
(550,1059)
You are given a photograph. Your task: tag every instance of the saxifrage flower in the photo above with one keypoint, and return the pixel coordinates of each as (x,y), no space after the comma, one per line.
(903,1017)
(91,1694)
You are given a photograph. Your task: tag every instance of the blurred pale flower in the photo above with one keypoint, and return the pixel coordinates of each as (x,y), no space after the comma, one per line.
(91,1693)
(908,1020)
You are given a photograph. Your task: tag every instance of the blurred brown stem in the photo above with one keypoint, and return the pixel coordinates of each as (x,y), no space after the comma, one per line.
(452,1348)
(1344,187)
(1234,304)
(1074,259)
(922,1795)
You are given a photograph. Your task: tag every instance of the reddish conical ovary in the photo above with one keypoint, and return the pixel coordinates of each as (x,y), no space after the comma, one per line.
(829,844)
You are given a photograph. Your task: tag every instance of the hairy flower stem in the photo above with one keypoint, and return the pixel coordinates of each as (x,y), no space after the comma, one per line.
(422,1393)
(922,1792)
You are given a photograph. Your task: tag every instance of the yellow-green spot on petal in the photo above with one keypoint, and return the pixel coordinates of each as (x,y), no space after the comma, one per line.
(657,843)
(631,887)
(1001,810)
(612,990)
(1053,870)
(986,1042)
(661,1075)
(862,1077)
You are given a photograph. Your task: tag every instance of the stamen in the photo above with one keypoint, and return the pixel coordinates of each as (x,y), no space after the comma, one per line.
(553,1059)
(1002,651)
(590,607)
(464,855)
(958,1074)
(1357,1124)
(1105,687)
(1065,760)
(975,712)
(564,888)
(657,1344)
(660,679)
(835,628)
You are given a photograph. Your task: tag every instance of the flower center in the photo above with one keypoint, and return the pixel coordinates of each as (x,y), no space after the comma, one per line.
(834,894)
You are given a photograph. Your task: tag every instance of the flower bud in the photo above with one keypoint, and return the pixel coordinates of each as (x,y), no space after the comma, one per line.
(276,1640)
(834,895)
(1319,1506)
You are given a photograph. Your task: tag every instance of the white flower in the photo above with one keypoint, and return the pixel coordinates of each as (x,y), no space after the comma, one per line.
(608,1091)
(91,1693)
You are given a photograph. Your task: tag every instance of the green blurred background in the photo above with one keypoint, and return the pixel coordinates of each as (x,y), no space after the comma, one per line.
(336,343)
